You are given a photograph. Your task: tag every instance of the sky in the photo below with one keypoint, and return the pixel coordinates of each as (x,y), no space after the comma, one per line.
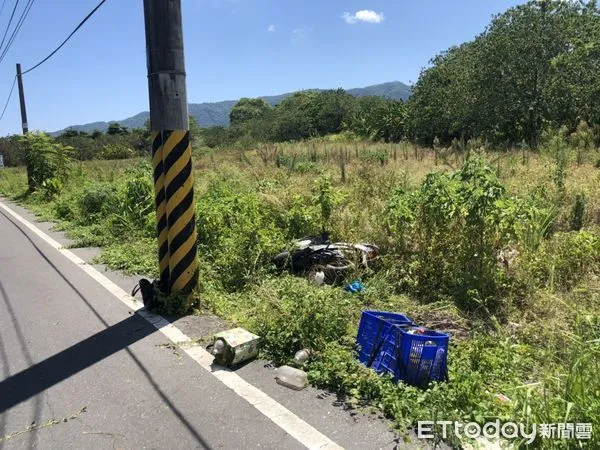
(233,49)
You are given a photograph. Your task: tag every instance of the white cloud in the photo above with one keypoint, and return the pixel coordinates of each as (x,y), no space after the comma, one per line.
(272,28)
(364,15)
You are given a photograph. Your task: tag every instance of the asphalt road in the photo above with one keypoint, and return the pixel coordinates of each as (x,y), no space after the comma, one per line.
(79,369)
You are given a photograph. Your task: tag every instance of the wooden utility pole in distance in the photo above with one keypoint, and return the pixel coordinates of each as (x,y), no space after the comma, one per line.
(171,150)
(22,100)
(24,123)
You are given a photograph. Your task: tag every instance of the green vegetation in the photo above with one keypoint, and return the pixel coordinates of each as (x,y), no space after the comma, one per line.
(494,252)
(217,114)
(485,89)
(481,191)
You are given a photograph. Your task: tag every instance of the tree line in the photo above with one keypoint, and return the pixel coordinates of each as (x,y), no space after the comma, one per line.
(534,69)
(309,114)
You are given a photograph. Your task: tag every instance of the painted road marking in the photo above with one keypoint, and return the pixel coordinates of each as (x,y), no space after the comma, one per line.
(304,433)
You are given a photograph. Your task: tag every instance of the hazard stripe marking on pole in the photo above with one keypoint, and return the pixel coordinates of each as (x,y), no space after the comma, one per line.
(161,208)
(179,193)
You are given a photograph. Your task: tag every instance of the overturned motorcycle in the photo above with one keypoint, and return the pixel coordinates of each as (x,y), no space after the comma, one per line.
(327,262)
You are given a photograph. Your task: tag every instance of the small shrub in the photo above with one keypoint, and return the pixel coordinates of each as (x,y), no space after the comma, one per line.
(237,233)
(577,212)
(303,167)
(300,218)
(116,151)
(65,207)
(294,314)
(325,199)
(48,162)
(379,156)
(97,199)
(135,212)
(455,233)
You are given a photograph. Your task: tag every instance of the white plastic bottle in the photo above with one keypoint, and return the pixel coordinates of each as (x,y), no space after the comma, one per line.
(290,377)
(302,356)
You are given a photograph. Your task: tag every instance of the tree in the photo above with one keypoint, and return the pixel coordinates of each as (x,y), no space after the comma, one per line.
(247,109)
(332,108)
(47,160)
(115,128)
(216,136)
(378,118)
(195,131)
(485,88)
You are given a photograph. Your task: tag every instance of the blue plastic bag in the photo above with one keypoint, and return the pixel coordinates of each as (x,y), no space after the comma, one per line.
(355,287)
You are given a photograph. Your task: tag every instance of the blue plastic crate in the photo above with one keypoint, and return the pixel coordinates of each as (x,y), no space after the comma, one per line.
(419,358)
(385,344)
(372,331)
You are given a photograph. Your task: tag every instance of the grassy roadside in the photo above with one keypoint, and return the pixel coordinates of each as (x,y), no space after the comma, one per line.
(527,327)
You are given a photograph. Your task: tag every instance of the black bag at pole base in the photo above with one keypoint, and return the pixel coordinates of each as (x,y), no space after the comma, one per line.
(149,290)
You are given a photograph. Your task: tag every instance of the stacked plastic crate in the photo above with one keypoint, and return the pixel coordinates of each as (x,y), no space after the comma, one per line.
(391,342)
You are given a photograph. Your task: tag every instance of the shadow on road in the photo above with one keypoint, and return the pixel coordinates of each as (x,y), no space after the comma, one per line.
(36,379)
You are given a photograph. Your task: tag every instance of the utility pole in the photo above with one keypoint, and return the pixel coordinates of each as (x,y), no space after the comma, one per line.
(24,122)
(171,150)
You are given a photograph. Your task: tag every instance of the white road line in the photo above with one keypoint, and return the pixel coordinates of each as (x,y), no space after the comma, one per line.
(304,433)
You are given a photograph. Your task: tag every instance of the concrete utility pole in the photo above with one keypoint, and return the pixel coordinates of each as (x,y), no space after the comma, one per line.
(24,123)
(171,150)
(22,100)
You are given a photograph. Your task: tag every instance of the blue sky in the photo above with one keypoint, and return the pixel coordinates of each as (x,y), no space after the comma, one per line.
(234,48)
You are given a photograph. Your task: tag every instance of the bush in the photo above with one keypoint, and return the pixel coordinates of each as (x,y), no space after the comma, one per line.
(300,218)
(65,207)
(453,225)
(577,216)
(136,211)
(294,314)
(97,199)
(237,233)
(48,162)
(116,151)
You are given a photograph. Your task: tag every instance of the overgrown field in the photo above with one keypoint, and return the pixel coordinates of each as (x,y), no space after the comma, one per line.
(502,250)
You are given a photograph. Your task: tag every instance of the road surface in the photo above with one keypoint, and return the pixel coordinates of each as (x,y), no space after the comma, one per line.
(80,369)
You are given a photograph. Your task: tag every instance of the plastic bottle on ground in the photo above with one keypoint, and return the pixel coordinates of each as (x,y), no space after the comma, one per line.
(302,356)
(290,377)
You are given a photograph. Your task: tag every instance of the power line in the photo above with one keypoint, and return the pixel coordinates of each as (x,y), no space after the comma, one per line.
(8,99)
(67,39)
(2,7)
(9,22)
(13,36)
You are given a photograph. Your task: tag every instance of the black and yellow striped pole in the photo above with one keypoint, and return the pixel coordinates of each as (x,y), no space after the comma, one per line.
(161,211)
(171,151)
(181,219)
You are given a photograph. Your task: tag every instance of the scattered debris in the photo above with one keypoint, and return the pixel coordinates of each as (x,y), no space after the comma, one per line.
(502,398)
(326,262)
(302,356)
(292,378)
(507,257)
(354,287)
(173,347)
(235,346)
(318,278)
(34,426)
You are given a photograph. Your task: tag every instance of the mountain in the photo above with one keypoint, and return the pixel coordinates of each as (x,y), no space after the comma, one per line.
(217,114)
